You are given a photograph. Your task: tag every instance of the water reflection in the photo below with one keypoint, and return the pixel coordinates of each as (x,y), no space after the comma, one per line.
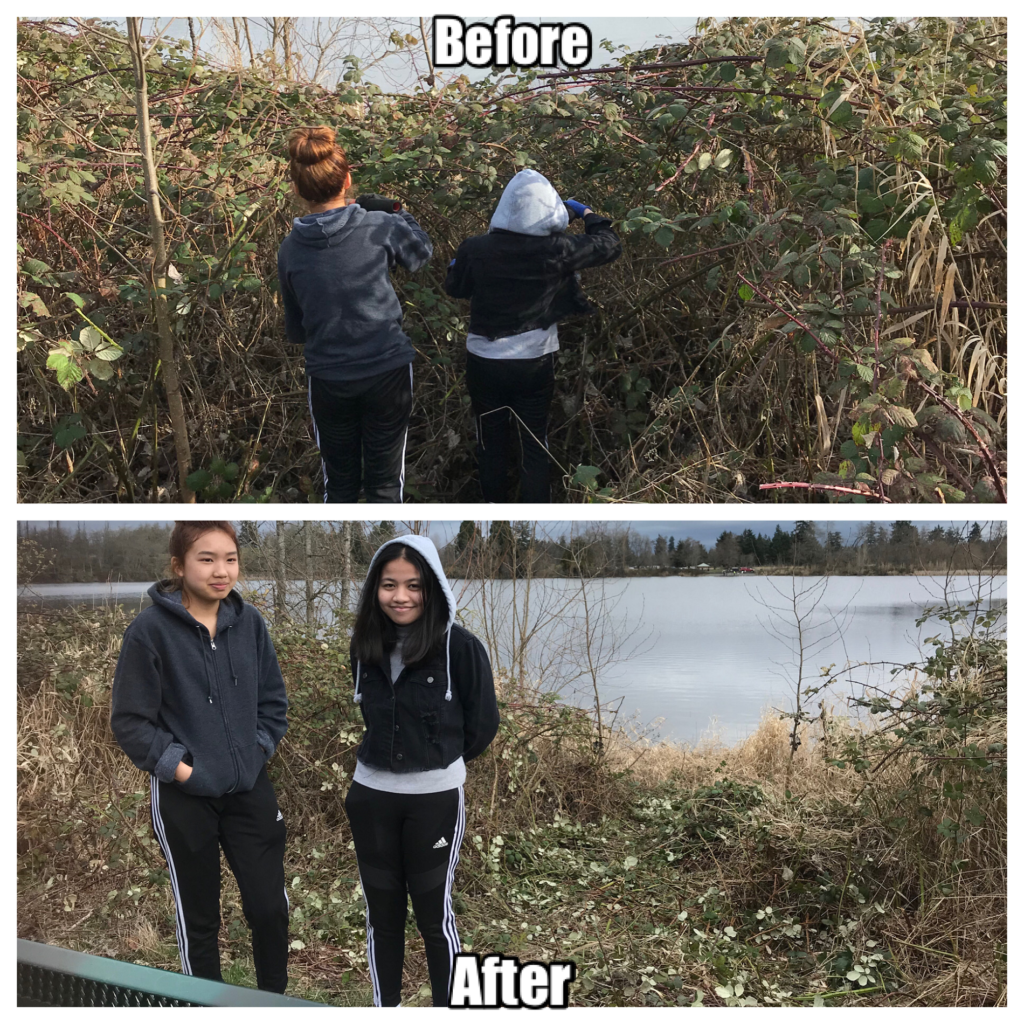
(698,654)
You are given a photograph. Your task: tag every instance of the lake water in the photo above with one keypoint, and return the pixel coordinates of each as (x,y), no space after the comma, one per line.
(681,656)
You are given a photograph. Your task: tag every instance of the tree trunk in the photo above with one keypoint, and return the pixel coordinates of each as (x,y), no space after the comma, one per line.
(286,38)
(426,50)
(238,39)
(248,39)
(158,278)
(346,564)
(308,537)
(280,581)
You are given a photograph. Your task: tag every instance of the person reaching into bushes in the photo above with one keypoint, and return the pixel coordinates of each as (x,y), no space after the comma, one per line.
(199,702)
(424,686)
(340,305)
(521,280)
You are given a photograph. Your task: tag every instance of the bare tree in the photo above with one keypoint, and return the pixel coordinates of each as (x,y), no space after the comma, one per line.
(307,536)
(248,40)
(554,632)
(346,565)
(158,275)
(281,577)
(794,618)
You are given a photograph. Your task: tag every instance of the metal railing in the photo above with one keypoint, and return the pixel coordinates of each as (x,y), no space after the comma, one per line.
(51,976)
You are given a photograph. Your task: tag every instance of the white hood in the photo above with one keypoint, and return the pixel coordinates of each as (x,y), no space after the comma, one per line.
(425,546)
(530,206)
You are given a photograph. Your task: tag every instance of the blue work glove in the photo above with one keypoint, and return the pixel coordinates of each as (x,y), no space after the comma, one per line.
(575,208)
(452,264)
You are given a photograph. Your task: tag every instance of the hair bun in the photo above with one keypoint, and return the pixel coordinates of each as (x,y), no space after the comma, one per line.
(311,145)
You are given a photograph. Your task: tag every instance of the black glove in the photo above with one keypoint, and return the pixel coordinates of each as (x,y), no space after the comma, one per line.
(372,201)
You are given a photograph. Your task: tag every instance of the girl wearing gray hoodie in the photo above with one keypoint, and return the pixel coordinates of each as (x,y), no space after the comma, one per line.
(339,304)
(199,703)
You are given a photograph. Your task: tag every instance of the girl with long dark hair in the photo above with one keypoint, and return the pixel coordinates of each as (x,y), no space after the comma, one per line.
(340,305)
(424,686)
(199,703)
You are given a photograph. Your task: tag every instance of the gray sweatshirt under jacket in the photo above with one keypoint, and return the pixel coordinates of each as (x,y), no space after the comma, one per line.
(338,299)
(179,692)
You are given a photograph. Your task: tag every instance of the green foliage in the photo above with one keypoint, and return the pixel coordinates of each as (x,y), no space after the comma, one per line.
(794,170)
(948,741)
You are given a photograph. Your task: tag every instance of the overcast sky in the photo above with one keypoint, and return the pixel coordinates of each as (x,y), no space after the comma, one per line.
(395,73)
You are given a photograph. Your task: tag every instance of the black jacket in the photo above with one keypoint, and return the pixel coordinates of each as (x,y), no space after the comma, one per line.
(410,726)
(178,695)
(518,283)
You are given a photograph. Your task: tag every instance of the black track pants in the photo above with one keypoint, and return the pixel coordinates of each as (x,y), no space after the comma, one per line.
(500,388)
(191,831)
(361,427)
(407,844)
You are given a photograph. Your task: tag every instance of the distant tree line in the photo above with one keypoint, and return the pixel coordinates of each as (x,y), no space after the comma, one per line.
(56,552)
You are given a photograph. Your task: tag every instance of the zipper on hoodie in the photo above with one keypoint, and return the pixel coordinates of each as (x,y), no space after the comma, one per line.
(223,717)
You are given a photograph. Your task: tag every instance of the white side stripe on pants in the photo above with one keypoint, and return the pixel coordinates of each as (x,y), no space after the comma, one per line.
(401,472)
(316,436)
(179,910)
(448,924)
(370,955)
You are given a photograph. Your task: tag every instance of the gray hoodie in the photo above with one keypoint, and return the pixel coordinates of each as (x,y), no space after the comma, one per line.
(338,298)
(530,205)
(218,703)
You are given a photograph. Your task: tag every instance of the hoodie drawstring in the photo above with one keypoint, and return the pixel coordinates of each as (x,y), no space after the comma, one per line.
(448,662)
(358,697)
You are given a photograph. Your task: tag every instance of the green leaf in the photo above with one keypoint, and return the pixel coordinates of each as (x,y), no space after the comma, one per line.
(842,113)
(90,339)
(100,369)
(198,480)
(68,375)
(664,236)
(586,475)
(56,359)
(36,267)
(904,417)
(723,159)
(746,293)
(778,53)
(109,352)
(876,228)
(704,161)
(727,72)
(68,430)
(76,299)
